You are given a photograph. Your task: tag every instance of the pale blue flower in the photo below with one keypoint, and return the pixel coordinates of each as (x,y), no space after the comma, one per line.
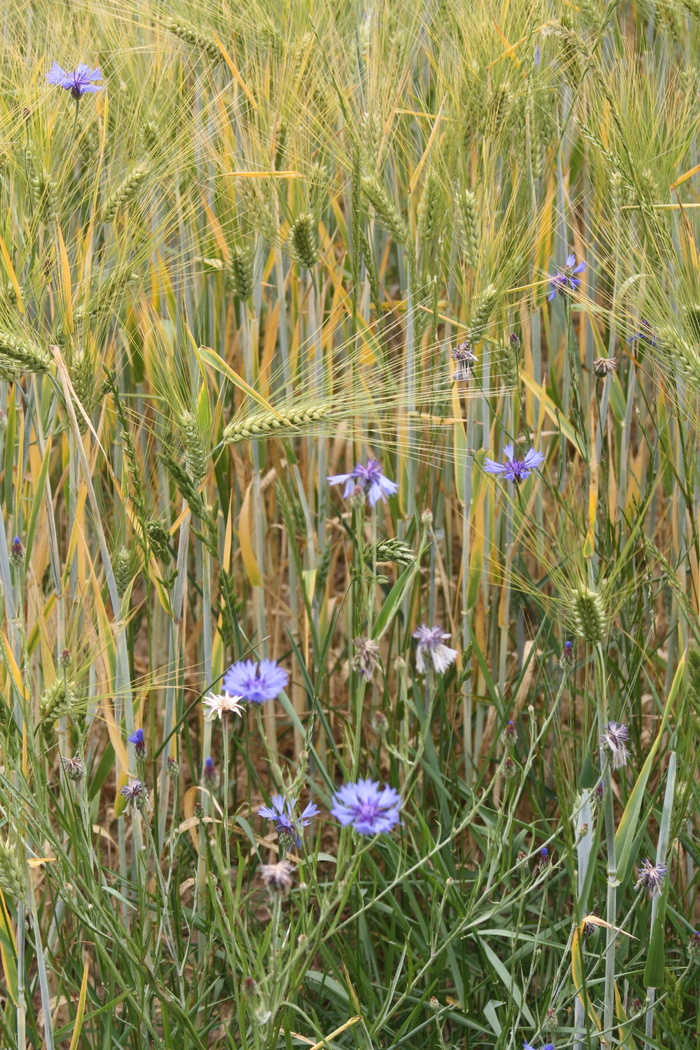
(369,479)
(369,807)
(516,470)
(255,682)
(78,82)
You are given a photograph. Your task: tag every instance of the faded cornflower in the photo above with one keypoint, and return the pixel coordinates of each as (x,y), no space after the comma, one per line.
(366,658)
(431,643)
(220,704)
(515,470)
(369,479)
(136,794)
(566,279)
(289,826)
(614,741)
(604,366)
(650,877)
(256,682)
(79,82)
(368,806)
(277,877)
(464,357)
(73,767)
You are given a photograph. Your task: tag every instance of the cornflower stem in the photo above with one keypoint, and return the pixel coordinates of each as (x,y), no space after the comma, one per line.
(224,760)
(360,683)
(469,770)
(609,817)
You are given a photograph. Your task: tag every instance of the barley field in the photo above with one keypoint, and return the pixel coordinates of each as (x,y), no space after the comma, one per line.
(350,531)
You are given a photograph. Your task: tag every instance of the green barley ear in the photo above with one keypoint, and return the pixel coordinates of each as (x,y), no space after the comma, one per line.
(431,212)
(191,35)
(468,221)
(302,236)
(82,375)
(239,274)
(266,424)
(281,144)
(679,354)
(196,454)
(43,191)
(125,568)
(150,136)
(388,215)
(589,615)
(124,194)
(498,109)
(22,354)
(389,550)
(481,313)
(13,875)
(58,700)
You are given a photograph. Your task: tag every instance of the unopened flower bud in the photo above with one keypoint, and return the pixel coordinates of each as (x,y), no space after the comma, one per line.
(567,661)
(17,552)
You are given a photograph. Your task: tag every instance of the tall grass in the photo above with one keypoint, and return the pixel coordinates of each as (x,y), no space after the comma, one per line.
(241,268)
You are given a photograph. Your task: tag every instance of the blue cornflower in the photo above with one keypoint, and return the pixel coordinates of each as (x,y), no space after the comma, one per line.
(369,807)
(137,739)
(516,470)
(566,279)
(369,479)
(78,82)
(547,1046)
(256,682)
(644,335)
(288,825)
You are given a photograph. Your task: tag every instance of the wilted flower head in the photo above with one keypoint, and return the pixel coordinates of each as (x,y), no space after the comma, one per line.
(614,740)
(137,739)
(566,279)
(220,704)
(604,366)
(277,877)
(430,643)
(366,658)
(369,807)
(256,682)
(135,794)
(465,358)
(369,479)
(516,470)
(650,877)
(78,82)
(73,767)
(287,824)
